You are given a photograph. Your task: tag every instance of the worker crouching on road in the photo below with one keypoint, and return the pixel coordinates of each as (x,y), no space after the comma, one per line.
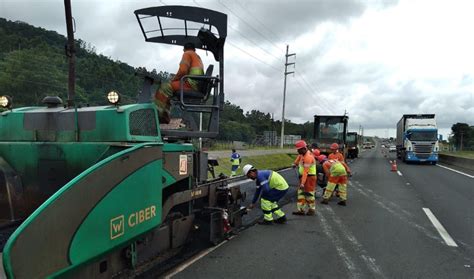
(272,187)
(307,173)
(336,172)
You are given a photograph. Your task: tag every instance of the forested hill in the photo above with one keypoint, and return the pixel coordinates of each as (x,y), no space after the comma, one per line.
(33,65)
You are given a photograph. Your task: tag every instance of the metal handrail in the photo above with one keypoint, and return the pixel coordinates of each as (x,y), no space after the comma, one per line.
(203,77)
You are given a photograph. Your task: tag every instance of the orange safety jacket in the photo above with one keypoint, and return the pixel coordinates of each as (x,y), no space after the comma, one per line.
(309,165)
(336,156)
(191,64)
(329,163)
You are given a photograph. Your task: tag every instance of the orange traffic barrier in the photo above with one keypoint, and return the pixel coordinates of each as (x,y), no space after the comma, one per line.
(394,165)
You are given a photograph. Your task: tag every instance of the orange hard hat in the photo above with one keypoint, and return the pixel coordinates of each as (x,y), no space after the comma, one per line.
(334,146)
(316,152)
(322,158)
(300,144)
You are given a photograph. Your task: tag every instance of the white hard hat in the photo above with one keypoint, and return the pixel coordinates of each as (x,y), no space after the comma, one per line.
(247,168)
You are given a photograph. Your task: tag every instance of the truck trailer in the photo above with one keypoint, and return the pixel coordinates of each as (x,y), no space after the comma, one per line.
(417,138)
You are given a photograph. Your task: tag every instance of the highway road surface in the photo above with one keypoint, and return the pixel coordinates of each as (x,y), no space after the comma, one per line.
(414,223)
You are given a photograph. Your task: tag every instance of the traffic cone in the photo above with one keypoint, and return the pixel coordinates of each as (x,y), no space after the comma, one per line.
(394,165)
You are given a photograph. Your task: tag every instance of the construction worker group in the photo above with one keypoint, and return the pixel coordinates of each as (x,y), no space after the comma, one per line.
(313,168)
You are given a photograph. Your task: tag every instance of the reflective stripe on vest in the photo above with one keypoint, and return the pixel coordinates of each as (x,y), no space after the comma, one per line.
(337,169)
(277,182)
(312,167)
(195,71)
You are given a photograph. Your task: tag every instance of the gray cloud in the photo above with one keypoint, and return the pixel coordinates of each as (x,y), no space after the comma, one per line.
(374,94)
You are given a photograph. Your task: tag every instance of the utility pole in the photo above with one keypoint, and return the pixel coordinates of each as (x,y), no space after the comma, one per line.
(284,94)
(70,53)
(462,133)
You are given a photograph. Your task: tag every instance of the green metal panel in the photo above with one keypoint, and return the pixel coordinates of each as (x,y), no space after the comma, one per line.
(53,226)
(45,167)
(109,226)
(173,147)
(111,124)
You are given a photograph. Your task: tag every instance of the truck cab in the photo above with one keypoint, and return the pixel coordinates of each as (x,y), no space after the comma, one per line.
(330,129)
(352,145)
(417,138)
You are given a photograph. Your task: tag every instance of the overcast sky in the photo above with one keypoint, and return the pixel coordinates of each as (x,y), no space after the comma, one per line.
(376,60)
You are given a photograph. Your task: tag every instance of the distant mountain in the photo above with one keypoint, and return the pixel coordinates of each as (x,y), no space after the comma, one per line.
(33,64)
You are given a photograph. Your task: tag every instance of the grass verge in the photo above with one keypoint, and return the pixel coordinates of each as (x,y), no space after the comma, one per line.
(462,154)
(272,162)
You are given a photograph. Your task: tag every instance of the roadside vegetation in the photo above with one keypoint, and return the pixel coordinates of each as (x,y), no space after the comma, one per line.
(273,162)
(462,154)
(33,65)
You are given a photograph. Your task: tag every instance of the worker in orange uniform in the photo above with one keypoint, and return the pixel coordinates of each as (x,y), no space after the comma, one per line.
(307,173)
(337,172)
(335,154)
(191,64)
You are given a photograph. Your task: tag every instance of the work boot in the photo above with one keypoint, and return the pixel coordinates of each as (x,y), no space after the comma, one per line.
(311,212)
(343,203)
(265,222)
(281,220)
(325,201)
(298,212)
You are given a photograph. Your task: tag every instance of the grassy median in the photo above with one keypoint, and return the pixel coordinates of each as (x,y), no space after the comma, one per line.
(273,162)
(462,154)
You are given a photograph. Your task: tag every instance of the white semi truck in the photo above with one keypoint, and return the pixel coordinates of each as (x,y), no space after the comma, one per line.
(417,138)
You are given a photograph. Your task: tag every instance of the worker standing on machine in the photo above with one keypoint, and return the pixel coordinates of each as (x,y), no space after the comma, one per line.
(272,187)
(191,64)
(235,160)
(337,173)
(307,174)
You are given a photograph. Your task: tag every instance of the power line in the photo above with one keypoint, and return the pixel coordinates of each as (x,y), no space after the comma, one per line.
(256,19)
(245,37)
(320,98)
(254,57)
(249,25)
(305,90)
(251,41)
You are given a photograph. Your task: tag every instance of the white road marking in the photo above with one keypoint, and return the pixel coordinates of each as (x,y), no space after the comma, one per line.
(194,259)
(353,270)
(369,261)
(460,172)
(408,183)
(396,210)
(399,173)
(441,230)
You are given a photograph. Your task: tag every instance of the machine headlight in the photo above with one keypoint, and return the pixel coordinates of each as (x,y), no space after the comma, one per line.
(113,97)
(5,101)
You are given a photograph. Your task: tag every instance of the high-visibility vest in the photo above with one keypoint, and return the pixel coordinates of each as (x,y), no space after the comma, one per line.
(235,161)
(193,61)
(277,181)
(337,169)
(312,166)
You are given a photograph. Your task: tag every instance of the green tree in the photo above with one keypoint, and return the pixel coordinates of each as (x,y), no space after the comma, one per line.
(463,135)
